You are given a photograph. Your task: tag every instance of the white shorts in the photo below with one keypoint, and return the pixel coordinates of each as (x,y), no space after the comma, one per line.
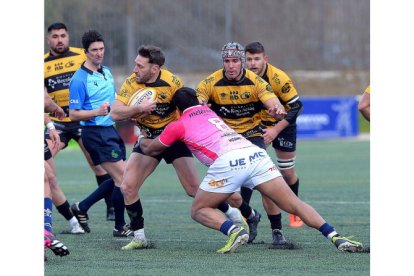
(247,167)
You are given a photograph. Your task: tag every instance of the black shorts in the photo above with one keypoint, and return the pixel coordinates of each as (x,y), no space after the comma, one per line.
(103,144)
(258,141)
(48,154)
(66,131)
(177,150)
(286,140)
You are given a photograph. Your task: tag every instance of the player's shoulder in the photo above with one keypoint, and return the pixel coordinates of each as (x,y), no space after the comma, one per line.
(273,70)
(213,77)
(76,50)
(172,79)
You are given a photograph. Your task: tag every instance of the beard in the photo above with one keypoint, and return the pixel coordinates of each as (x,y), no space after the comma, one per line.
(60,50)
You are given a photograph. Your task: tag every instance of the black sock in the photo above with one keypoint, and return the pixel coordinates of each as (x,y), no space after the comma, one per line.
(64,210)
(108,199)
(246,194)
(245,209)
(102,191)
(275,221)
(119,206)
(224,207)
(295,187)
(135,212)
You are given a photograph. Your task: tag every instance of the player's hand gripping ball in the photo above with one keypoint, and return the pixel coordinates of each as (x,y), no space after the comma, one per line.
(140,96)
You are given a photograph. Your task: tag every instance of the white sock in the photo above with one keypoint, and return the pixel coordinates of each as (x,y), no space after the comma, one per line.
(73,221)
(231,229)
(330,235)
(232,213)
(139,233)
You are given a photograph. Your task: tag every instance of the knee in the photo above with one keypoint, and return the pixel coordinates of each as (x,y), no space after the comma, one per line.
(127,190)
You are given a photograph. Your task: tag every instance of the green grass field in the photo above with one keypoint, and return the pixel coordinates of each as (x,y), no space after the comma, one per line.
(334,178)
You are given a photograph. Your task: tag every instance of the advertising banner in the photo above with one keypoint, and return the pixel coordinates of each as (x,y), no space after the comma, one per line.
(328,117)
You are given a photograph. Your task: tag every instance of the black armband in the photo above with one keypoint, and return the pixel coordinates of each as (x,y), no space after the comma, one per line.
(294,111)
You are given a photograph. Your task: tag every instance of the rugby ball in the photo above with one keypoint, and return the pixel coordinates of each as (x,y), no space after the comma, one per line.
(141,95)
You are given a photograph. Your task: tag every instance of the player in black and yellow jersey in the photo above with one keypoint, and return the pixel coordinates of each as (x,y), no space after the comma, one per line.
(60,63)
(148,73)
(238,95)
(282,134)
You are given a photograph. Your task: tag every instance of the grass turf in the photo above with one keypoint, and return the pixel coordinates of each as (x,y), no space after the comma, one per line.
(334,179)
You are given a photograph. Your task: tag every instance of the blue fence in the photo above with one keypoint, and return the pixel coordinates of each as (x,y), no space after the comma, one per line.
(328,117)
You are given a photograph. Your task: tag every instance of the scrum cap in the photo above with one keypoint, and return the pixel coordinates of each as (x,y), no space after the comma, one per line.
(233,49)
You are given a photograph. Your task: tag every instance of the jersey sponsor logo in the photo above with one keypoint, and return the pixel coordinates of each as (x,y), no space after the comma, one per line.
(217,183)
(273,168)
(176,80)
(276,79)
(284,143)
(59,82)
(286,88)
(256,155)
(74,101)
(59,66)
(223,95)
(234,95)
(208,80)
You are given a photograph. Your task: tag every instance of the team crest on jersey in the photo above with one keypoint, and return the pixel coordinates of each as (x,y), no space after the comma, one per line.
(286,88)
(223,95)
(162,95)
(176,80)
(70,64)
(245,95)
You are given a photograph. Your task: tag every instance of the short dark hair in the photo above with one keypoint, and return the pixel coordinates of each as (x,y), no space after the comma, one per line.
(184,98)
(154,54)
(89,37)
(255,48)
(56,26)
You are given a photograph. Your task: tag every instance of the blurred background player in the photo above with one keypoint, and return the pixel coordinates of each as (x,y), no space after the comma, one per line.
(364,105)
(50,240)
(281,134)
(237,95)
(60,63)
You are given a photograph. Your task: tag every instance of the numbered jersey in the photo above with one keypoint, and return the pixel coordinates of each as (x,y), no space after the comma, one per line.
(204,133)
(165,111)
(238,103)
(58,73)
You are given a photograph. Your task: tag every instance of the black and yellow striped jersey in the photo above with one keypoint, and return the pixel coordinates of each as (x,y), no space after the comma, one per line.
(238,103)
(165,111)
(58,73)
(283,88)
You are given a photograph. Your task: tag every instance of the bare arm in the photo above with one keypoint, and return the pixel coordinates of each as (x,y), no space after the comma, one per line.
(275,108)
(364,106)
(152,147)
(121,111)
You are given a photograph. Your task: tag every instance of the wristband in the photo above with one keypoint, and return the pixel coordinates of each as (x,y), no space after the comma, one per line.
(50,126)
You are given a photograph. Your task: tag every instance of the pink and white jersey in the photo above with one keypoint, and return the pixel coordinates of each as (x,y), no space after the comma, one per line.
(204,133)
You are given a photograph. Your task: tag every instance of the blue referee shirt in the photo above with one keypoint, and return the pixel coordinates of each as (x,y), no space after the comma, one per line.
(89,89)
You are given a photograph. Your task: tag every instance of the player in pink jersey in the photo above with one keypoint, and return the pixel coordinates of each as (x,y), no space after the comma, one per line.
(233,162)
